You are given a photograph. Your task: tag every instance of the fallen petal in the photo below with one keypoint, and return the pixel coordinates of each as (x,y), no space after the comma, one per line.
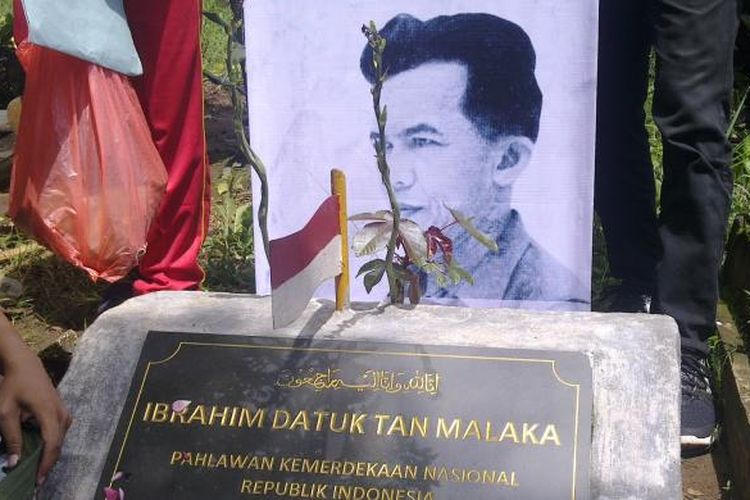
(111,494)
(180,405)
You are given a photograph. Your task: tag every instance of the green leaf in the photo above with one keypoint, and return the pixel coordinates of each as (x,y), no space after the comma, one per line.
(430,267)
(414,240)
(222,187)
(472,230)
(741,161)
(371,238)
(453,275)
(373,278)
(441,280)
(457,274)
(371,266)
(384,116)
(240,217)
(463,273)
(380,215)
(20,483)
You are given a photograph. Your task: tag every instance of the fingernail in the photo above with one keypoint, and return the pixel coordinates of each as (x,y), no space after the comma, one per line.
(12,460)
(40,480)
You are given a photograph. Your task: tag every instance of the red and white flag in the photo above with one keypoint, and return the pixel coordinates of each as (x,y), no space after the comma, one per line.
(301,261)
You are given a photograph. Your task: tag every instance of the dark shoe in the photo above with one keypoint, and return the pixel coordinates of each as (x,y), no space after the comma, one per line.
(627,298)
(698,427)
(115,294)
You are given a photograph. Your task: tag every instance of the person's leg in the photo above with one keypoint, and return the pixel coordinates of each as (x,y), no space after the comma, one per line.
(693,42)
(624,188)
(167,37)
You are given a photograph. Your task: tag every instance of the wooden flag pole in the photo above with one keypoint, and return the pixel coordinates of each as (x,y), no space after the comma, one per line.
(338,188)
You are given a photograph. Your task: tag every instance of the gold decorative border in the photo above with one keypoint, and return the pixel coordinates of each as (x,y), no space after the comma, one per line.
(551,362)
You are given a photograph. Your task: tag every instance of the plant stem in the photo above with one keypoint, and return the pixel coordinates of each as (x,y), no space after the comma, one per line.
(237,85)
(378,45)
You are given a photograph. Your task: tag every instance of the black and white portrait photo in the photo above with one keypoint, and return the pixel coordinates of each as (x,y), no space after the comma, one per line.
(491,112)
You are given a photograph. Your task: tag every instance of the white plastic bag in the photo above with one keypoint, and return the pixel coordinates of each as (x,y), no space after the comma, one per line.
(93,30)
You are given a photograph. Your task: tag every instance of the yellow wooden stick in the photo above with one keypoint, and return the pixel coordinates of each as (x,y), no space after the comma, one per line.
(338,188)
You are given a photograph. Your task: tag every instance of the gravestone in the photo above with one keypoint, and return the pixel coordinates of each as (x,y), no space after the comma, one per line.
(634,360)
(349,419)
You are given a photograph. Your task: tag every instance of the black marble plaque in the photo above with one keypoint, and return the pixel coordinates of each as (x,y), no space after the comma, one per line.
(218,417)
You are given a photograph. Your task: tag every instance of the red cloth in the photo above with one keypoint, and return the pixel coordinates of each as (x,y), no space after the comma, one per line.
(20,29)
(167,37)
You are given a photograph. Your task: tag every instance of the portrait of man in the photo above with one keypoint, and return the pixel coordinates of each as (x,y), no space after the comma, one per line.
(491,111)
(463,119)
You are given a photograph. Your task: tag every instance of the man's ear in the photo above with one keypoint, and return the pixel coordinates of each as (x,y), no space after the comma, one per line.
(515,154)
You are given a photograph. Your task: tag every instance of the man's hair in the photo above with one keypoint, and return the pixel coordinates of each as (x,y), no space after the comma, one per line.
(502,96)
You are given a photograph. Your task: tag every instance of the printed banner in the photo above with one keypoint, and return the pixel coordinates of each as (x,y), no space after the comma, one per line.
(491,112)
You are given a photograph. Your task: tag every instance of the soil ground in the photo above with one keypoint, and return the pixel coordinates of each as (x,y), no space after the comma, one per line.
(707,477)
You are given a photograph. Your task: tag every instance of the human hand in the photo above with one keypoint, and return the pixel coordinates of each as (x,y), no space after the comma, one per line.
(25,392)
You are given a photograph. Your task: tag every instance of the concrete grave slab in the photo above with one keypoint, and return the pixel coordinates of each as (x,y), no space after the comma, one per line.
(635,359)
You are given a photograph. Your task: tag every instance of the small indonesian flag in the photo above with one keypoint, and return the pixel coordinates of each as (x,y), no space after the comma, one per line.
(301,261)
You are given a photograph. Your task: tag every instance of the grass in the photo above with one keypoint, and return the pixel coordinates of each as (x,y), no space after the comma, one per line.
(227,254)
(739,135)
(654,136)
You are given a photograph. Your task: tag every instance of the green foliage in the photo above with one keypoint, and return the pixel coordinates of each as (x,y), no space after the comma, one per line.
(654,136)
(720,355)
(11,74)
(465,222)
(6,30)
(6,7)
(602,282)
(739,135)
(213,37)
(373,272)
(20,482)
(227,253)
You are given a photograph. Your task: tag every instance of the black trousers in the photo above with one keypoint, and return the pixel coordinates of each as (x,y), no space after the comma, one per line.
(675,254)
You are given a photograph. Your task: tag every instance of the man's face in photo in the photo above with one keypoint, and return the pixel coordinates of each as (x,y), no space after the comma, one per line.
(436,154)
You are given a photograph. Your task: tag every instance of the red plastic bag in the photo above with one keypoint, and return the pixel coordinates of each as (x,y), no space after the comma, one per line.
(87,179)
